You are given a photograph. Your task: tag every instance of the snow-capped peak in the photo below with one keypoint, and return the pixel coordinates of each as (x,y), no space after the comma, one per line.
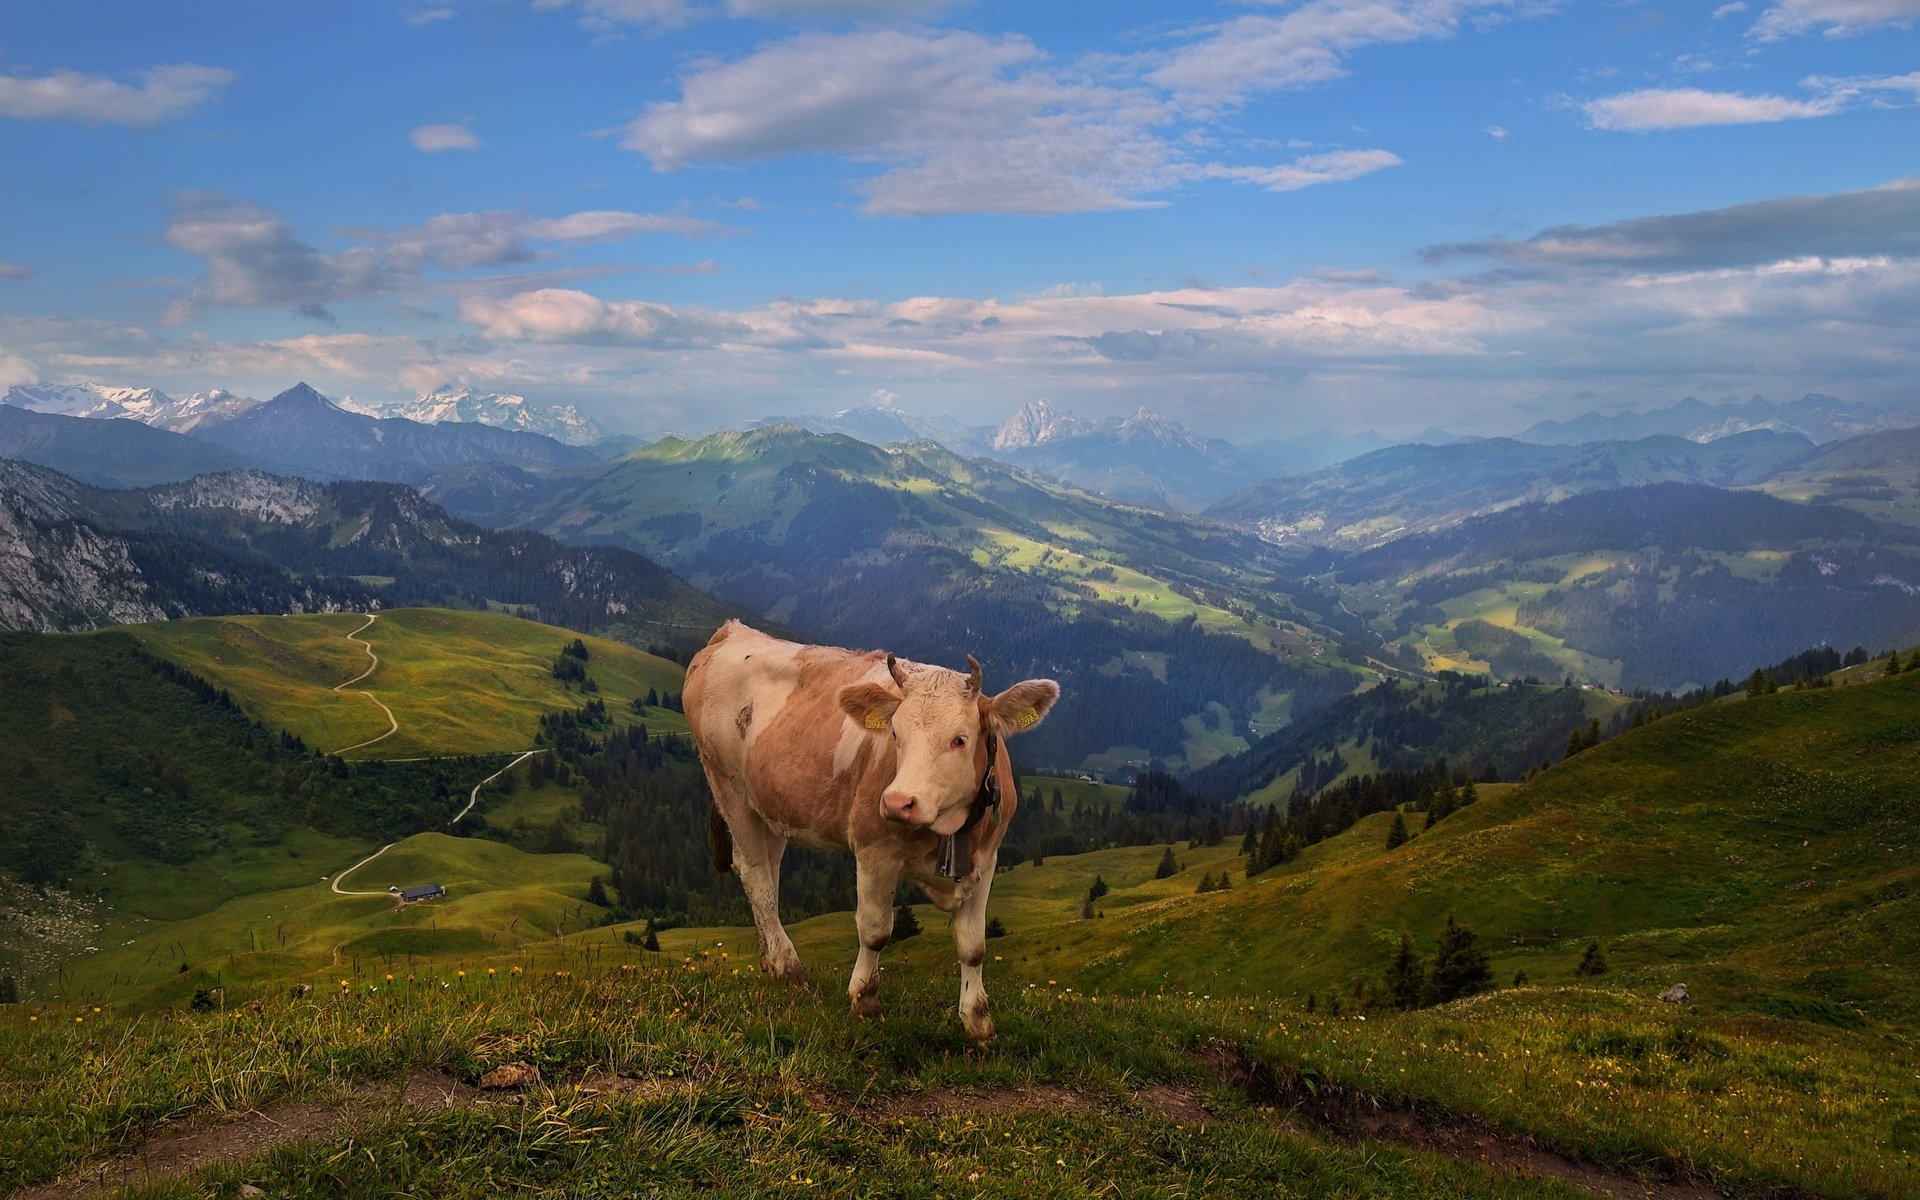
(1037,422)
(503,410)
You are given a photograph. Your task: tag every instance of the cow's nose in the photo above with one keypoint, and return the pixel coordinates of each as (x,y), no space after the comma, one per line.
(899,807)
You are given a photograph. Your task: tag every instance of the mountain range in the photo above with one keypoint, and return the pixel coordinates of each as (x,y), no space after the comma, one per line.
(149,406)
(1375,498)
(450,404)
(299,432)
(248,542)
(1817,418)
(938,556)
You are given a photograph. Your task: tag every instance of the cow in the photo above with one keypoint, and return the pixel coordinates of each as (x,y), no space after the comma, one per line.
(899,762)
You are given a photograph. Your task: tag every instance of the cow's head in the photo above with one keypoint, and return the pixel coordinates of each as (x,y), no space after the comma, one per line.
(939,721)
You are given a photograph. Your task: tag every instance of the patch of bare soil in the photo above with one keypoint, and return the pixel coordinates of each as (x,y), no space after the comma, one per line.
(1353,1116)
(975,1101)
(605,1084)
(1181,1105)
(191,1147)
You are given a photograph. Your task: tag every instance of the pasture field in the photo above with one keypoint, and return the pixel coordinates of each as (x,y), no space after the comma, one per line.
(688,1070)
(455,682)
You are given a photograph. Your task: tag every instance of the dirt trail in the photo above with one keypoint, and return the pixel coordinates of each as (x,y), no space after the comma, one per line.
(473,798)
(174,1153)
(393,725)
(1346,1117)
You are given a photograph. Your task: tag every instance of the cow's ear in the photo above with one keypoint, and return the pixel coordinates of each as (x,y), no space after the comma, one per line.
(870,704)
(1022,706)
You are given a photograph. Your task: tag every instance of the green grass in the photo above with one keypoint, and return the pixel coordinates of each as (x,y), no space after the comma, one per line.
(499,898)
(457,682)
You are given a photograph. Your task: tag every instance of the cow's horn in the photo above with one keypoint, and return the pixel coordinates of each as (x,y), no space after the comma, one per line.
(899,675)
(973,681)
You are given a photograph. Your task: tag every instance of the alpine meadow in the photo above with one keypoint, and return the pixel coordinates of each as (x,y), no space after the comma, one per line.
(948,598)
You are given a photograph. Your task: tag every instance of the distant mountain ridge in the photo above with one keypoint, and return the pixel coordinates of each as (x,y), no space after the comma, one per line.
(314,435)
(1388,494)
(1820,419)
(449,404)
(149,406)
(248,542)
(110,453)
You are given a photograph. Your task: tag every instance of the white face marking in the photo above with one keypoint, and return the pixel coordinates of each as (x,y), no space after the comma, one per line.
(939,708)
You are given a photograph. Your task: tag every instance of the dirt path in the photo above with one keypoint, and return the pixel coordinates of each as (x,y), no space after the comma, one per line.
(192,1145)
(473,797)
(393,725)
(176,1152)
(340,891)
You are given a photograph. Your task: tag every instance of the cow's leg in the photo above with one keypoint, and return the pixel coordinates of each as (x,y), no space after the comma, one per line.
(970,946)
(757,851)
(877,877)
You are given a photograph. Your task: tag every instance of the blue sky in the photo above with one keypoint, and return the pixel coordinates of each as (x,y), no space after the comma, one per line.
(1256,217)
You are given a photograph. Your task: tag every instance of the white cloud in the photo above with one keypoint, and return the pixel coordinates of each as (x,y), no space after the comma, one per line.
(15,371)
(435,139)
(957,122)
(1498,133)
(1335,167)
(563,315)
(422,17)
(607,15)
(254,258)
(1728,10)
(841,10)
(15,271)
(1306,45)
(1682,108)
(162,94)
(1833,18)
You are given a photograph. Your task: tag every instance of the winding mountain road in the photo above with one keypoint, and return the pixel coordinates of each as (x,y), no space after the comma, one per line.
(393,725)
(473,798)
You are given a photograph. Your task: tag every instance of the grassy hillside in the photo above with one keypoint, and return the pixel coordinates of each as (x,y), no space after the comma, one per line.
(935,557)
(1668,587)
(455,682)
(499,899)
(1759,849)
(1877,474)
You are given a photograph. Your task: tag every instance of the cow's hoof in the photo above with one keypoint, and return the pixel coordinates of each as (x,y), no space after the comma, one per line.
(789,970)
(982,1032)
(867,1005)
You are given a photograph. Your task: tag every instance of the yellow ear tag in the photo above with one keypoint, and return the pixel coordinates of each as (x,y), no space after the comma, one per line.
(876,719)
(1026,718)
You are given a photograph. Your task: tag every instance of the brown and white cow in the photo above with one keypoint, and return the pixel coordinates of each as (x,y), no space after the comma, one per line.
(840,750)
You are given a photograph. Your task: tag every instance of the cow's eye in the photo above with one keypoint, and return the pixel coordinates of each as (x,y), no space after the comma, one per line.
(957,742)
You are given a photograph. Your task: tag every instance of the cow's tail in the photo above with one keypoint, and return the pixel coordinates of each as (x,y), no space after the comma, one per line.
(719,839)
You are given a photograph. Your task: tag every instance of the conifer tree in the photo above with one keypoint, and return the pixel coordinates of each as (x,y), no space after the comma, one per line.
(1397,835)
(1405,976)
(1593,962)
(905,924)
(1893,662)
(1460,965)
(1098,889)
(1168,865)
(1430,820)
(1206,883)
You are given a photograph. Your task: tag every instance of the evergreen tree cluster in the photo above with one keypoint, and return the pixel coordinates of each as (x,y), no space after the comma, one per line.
(1460,967)
(1282,834)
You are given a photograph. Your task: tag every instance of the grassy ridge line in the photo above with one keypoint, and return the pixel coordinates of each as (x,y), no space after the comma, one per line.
(455,682)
